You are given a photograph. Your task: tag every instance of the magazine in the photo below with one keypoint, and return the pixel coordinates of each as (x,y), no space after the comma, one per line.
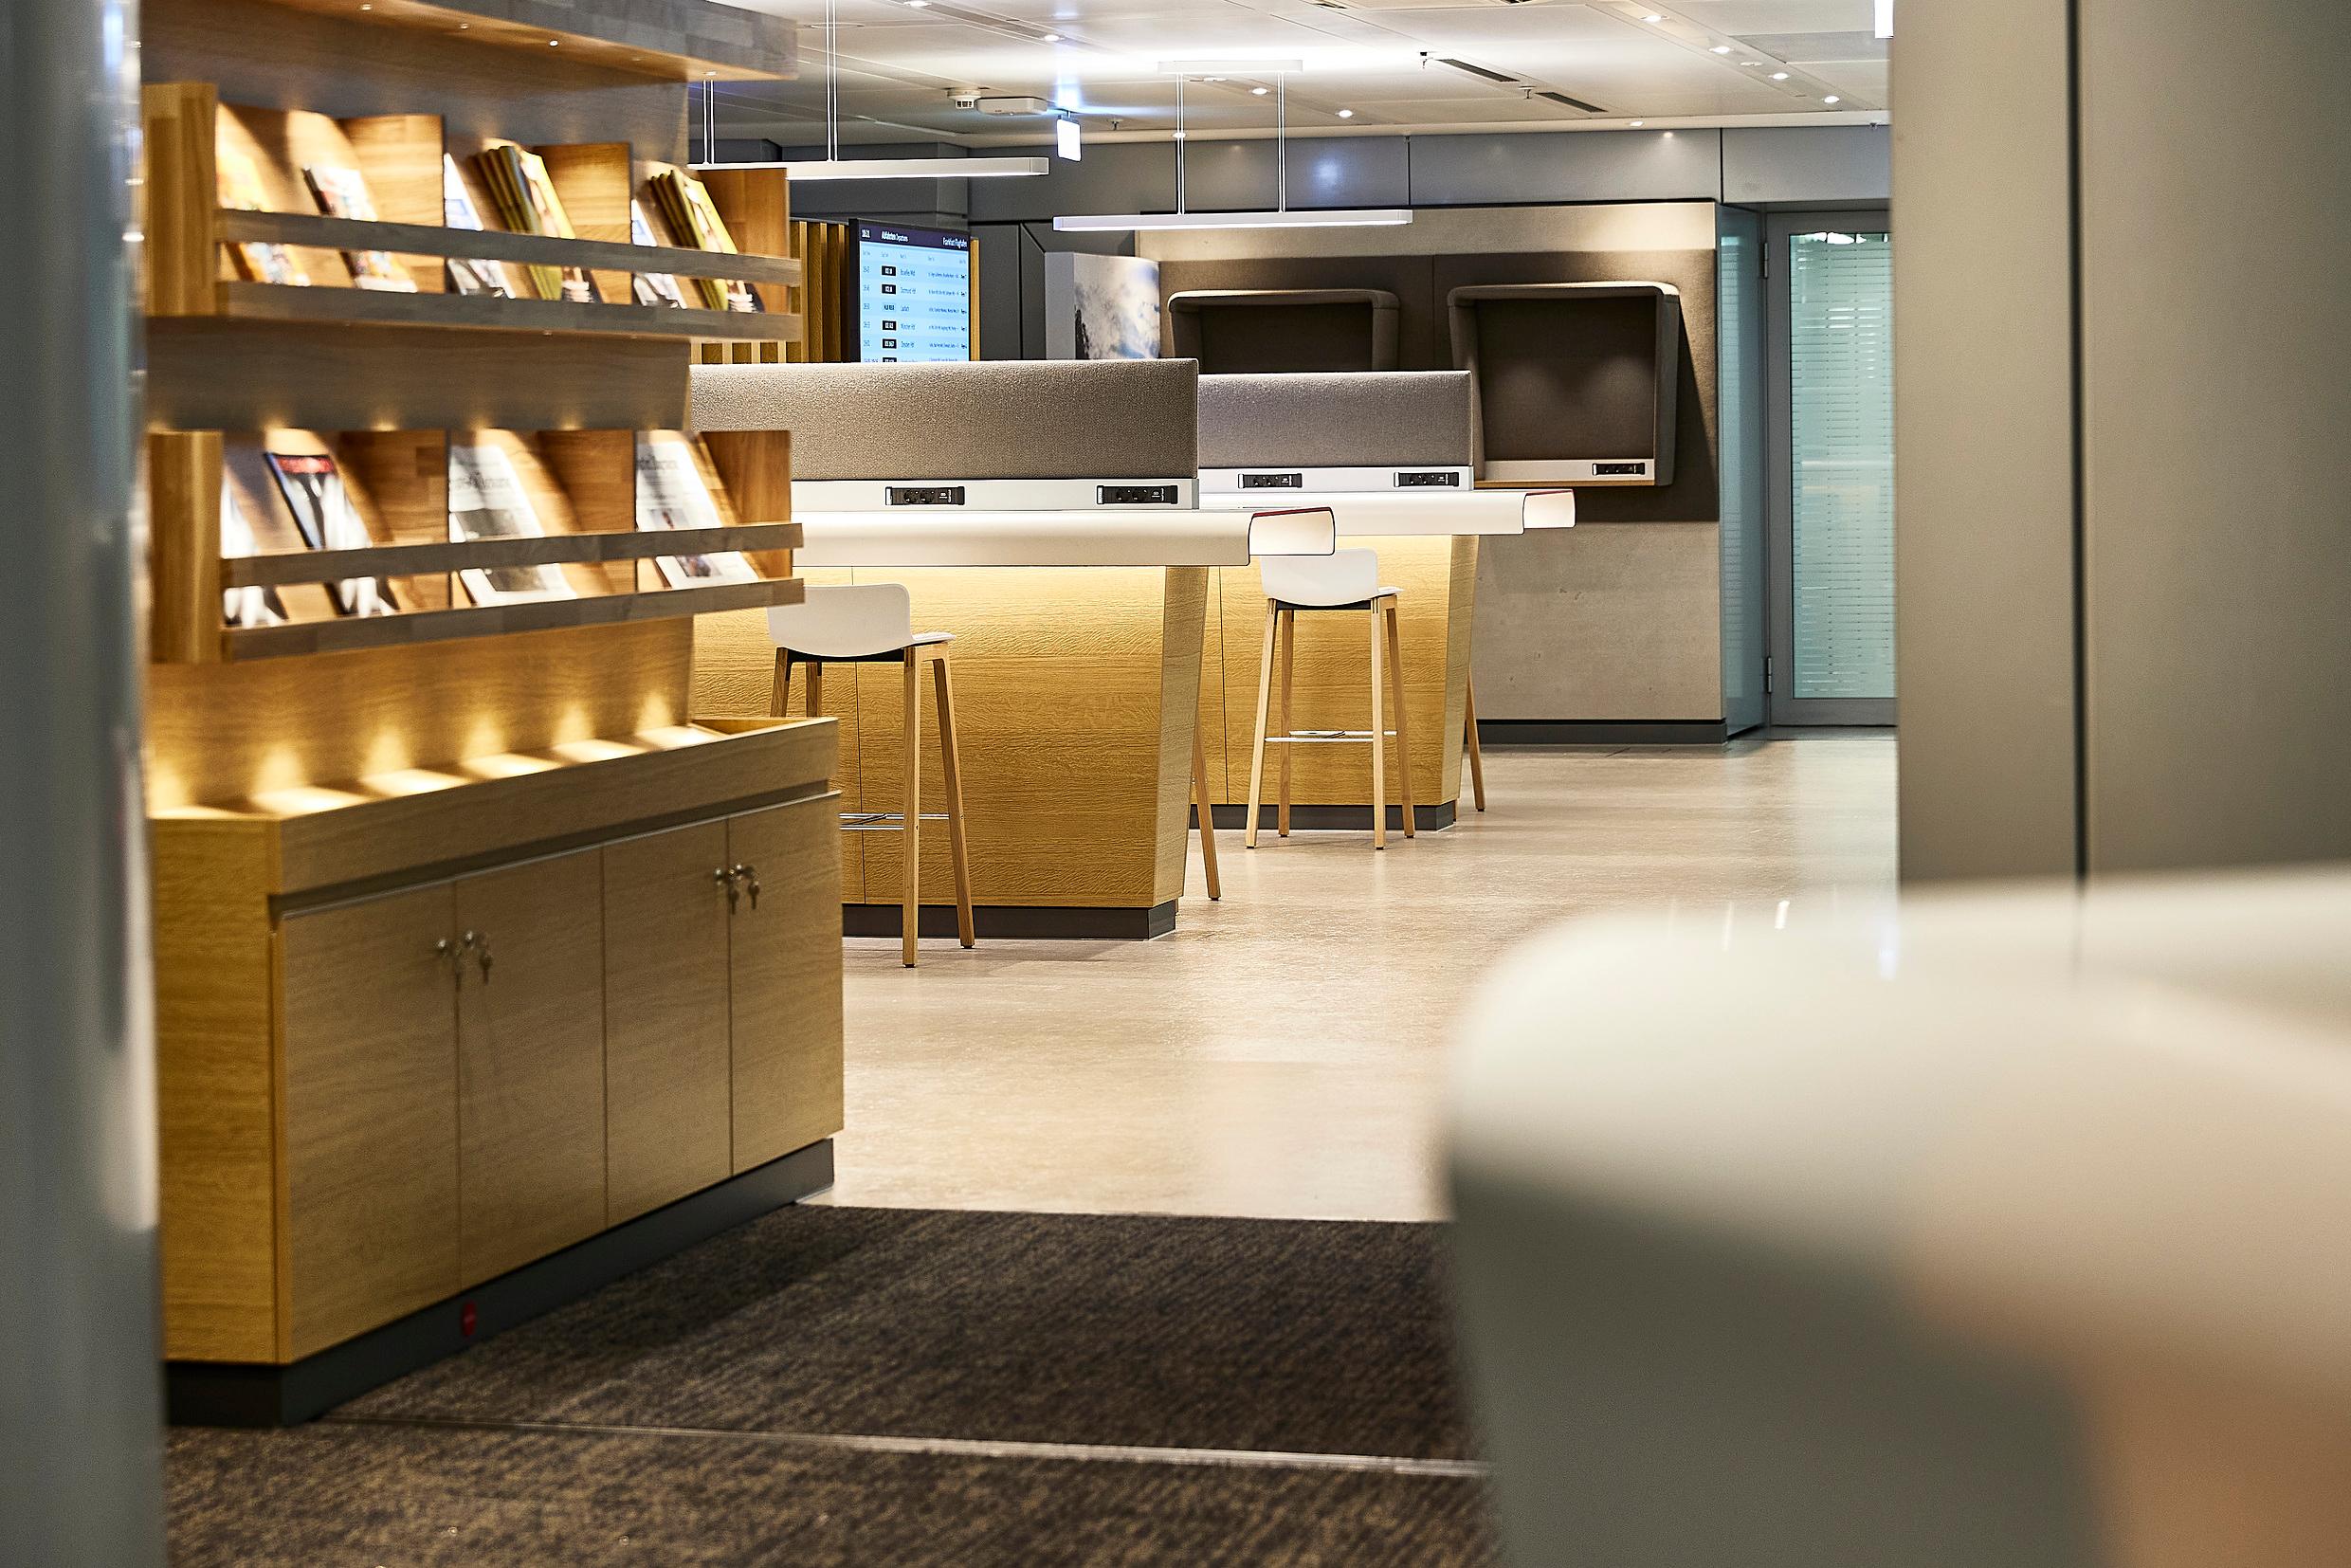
(686,202)
(653,288)
(243,606)
(528,203)
(263,260)
(671,494)
(313,488)
(343,194)
(456,212)
(488,502)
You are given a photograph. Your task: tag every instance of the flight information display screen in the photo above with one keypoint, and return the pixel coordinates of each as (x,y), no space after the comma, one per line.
(914,294)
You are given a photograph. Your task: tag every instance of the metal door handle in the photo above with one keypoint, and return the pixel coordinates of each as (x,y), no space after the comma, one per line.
(750,874)
(725,876)
(479,945)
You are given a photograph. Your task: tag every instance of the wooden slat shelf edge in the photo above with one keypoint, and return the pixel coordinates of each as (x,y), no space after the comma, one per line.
(492,245)
(486,313)
(408,560)
(241,643)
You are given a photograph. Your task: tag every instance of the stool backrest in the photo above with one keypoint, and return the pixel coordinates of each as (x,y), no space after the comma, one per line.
(845,622)
(1344,576)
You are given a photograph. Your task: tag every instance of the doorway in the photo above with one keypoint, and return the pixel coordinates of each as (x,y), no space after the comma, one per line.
(1832,469)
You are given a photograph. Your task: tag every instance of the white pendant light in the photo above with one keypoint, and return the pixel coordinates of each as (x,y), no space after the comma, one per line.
(832,166)
(1280,216)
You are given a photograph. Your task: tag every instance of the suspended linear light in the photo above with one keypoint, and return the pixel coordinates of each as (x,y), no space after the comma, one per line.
(832,166)
(1280,216)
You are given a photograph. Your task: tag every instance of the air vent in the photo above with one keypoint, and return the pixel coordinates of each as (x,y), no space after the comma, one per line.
(1477,70)
(1573,102)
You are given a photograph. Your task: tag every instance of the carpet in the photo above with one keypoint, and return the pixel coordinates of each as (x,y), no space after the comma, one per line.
(898,1386)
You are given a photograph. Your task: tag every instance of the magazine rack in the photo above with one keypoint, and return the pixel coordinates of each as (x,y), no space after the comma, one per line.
(485,967)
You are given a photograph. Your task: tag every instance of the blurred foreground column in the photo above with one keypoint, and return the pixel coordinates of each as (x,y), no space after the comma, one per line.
(80,1395)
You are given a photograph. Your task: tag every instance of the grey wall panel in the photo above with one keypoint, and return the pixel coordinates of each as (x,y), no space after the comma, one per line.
(1228,176)
(1374,420)
(2215,407)
(1983,555)
(1601,622)
(1808,164)
(1350,172)
(1001,249)
(979,420)
(1581,167)
(1124,177)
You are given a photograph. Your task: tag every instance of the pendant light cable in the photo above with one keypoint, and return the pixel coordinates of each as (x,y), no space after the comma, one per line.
(1182,144)
(1281,143)
(832,80)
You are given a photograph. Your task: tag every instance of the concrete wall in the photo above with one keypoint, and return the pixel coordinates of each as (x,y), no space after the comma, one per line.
(2124,567)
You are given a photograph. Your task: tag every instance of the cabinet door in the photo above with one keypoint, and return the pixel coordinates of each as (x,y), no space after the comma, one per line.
(530,1062)
(666,1072)
(786,991)
(371,1115)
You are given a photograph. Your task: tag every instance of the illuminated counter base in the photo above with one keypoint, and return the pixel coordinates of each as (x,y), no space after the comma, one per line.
(1437,580)
(1075,688)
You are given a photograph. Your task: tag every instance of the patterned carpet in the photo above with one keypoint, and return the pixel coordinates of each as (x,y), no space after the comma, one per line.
(893,1386)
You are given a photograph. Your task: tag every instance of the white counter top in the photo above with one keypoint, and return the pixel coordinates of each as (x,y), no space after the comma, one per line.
(1375,513)
(953,536)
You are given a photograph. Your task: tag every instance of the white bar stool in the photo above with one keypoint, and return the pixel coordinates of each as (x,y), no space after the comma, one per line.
(869,624)
(1347,579)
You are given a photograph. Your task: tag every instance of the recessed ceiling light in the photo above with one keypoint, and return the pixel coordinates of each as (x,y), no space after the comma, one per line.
(1638,123)
(1050,38)
(1720,48)
(1179,135)
(1652,17)
(1833,99)
(1258,92)
(1346,114)
(1780,76)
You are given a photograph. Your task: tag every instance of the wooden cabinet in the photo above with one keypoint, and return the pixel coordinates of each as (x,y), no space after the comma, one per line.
(666,1017)
(785,951)
(530,1061)
(371,1113)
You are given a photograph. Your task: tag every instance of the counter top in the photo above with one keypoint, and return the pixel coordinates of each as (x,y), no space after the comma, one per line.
(919,537)
(1387,514)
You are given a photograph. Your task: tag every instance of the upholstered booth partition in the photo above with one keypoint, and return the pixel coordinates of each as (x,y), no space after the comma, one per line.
(1336,421)
(1571,383)
(1077,686)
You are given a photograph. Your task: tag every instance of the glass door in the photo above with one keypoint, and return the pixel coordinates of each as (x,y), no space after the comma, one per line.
(1833,469)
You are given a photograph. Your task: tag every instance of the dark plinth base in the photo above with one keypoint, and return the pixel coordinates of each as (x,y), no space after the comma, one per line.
(1004,921)
(1547,732)
(1344,819)
(215,1394)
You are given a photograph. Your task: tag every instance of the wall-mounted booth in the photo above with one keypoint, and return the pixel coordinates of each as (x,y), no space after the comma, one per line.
(1263,331)
(1570,383)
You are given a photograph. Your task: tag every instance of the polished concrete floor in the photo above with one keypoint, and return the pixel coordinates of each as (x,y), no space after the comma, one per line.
(1284,1053)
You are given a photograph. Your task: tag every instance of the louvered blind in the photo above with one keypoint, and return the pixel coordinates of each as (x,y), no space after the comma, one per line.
(1842,422)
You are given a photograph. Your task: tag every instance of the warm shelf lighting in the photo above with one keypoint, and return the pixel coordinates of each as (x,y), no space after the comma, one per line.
(1338,217)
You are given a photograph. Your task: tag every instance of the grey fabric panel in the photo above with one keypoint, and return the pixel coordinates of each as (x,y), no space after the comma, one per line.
(1369,419)
(1021,419)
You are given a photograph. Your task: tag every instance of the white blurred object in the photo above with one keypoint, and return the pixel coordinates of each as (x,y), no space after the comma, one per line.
(2005,1231)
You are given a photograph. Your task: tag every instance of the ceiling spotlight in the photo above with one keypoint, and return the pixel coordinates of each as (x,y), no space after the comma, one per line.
(1833,99)
(1346,114)
(1780,76)
(1638,123)
(1259,92)
(1652,17)
(1719,48)
(1050,38)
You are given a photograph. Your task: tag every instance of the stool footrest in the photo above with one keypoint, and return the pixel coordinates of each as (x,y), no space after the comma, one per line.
(1327,737)
(883,822)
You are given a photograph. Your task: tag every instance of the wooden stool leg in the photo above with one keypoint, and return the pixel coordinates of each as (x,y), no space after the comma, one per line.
(1379,743)
(912,797)
(1289,658)
(816,687)
(1257,755)
(780,703)
(1469,738)
(951,764)
(1208,823)
(1404,734)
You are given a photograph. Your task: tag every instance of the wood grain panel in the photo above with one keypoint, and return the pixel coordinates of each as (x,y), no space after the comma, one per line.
(1436,578)
(786,980)
(216,1091)
(667,1065)
(1060,693)
(371,1116)
(184,548)
(180,197)
(530,1062)
(596,181)
(1184,618)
